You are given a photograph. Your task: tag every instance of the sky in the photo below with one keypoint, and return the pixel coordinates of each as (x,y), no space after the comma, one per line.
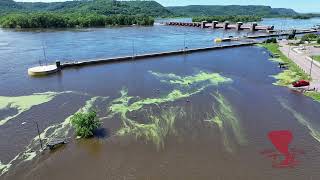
(298,5)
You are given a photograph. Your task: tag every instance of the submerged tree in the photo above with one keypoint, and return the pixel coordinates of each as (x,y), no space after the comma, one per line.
(85,123)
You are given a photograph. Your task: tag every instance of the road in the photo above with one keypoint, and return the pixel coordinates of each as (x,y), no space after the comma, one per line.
(302,59)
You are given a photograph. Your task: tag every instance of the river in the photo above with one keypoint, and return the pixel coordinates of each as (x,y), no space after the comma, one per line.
(197,116)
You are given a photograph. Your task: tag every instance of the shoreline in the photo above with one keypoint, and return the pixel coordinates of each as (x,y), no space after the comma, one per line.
(297,69)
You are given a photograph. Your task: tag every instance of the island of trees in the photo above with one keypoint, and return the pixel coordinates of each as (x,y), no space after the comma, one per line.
(237,18)
(71,20)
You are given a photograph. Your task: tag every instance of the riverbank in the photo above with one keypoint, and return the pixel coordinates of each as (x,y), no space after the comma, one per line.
(316,58)
(295,69)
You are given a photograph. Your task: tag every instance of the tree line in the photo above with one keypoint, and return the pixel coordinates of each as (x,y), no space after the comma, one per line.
(71,20)
(237,18)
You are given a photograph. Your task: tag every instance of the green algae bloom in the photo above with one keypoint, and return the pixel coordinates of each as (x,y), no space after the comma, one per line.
(60,130)
(225,119)
(313,131)
(157,127)
(23,103)
(211,78)
(121,105)
(156,130)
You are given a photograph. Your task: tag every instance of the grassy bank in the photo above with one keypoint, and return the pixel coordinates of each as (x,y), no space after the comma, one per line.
(313,95)
(293,73)
(316,58)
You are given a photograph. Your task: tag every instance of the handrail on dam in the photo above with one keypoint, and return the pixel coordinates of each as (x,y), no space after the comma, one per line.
(60,65)
(142,56)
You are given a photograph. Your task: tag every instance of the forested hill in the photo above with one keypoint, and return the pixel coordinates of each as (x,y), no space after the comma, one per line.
(137,7)
(103,7)
(214,10)
(9,5)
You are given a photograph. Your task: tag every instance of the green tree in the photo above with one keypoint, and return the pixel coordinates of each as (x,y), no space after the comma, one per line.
(71,20)
(237,18)
(85,123)
(309,37)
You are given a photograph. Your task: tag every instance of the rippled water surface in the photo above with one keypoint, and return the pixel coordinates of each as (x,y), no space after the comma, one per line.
(195,116)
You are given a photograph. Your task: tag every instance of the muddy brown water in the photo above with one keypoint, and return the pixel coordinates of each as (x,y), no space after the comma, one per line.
(196,151)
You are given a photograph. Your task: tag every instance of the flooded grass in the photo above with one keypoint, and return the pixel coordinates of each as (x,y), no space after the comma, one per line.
(286,77)
(313,95)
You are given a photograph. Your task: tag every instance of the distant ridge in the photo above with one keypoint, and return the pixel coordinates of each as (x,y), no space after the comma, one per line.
(214,10)
(150,8)
(105,7)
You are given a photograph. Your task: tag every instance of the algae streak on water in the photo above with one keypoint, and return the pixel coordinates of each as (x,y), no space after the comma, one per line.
(157,128)
(211,78)
(225,118)
(23,103)
(55,131)
(314,130)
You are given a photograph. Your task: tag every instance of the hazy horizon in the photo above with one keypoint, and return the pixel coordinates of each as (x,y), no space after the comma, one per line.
(303,7)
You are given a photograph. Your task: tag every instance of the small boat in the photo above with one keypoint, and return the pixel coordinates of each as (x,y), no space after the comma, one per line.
(218,40)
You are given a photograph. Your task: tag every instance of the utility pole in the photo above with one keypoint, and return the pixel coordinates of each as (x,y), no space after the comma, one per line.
(311,66)
(44,53)
(39,134)
(184,42)
(307,50)
(133,51)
